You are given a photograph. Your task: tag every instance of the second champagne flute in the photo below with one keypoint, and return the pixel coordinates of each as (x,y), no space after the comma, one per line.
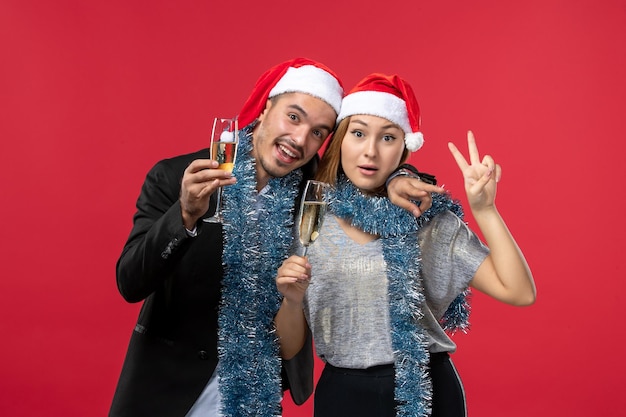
(224,140)
(312,211)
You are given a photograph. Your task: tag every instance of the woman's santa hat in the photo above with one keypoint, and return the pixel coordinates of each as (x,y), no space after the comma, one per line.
(299,75)
(389,97)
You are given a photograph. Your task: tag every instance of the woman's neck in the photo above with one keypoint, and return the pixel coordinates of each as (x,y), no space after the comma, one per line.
(354,233)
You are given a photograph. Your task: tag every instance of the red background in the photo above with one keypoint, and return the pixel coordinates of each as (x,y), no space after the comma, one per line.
(92,94)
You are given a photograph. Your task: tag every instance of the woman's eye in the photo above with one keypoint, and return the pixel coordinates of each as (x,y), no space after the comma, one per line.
(388,138)
(357,133)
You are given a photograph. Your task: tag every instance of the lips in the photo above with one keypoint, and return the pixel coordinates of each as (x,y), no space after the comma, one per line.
(286,154)
(367,170)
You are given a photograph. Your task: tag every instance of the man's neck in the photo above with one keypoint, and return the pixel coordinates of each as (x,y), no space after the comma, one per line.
(261,181)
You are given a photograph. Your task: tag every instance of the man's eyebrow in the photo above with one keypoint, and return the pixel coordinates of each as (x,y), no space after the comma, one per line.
(300,109)
(306,115)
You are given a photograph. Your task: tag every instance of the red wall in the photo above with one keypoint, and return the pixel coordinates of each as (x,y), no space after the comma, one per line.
(93,93)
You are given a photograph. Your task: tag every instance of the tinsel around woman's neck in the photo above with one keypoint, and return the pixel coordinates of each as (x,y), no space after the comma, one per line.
(398,230)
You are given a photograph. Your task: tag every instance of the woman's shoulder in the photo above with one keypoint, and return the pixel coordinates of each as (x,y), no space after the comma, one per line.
(446,220)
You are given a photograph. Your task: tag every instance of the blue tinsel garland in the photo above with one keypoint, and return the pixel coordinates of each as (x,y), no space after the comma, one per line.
(398,231)
(249,362)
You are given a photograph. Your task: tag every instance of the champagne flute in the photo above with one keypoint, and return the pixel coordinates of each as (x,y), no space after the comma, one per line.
(312,210)
(224,140)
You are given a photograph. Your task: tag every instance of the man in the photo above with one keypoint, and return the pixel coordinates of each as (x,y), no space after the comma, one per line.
(195,277)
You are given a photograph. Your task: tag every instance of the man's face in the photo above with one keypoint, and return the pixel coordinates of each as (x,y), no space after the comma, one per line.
(290,131)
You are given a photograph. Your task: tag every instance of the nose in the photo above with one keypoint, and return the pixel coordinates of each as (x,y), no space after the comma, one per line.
(299,135)
(370,148)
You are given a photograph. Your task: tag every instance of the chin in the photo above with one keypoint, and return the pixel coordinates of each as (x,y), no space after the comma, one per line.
(366,186)
(279,171)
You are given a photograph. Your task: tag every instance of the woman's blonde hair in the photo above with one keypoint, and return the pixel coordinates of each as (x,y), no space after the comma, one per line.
(330,164)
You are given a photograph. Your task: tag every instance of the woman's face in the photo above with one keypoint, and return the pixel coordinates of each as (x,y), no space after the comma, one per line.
(371,150)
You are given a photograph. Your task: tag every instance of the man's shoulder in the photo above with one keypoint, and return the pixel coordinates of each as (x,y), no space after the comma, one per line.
(188,157)
(182,160)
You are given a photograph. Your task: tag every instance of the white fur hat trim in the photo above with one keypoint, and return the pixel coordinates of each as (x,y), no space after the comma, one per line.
(311,80)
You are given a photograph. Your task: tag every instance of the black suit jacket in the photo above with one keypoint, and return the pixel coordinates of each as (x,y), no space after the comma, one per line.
(173,348)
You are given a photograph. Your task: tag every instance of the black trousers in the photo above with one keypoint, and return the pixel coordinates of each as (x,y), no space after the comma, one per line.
(368,392)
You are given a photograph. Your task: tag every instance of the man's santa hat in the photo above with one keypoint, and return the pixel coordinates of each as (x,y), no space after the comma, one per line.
(299,75)
(389,97)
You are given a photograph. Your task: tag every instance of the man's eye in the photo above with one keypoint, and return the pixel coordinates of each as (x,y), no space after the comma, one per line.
(317,133)
(293,116)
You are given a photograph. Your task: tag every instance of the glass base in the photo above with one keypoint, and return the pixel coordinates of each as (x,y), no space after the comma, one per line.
(214,219)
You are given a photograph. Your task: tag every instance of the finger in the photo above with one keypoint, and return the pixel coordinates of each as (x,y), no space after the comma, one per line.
(227,182)
(289,277)
(294,268)
(406,204)
(426,203)
(412,186)
(489,162)
(295,271)
(416,210)
(419,188)
(299,260)
(303,282)
(209,188)
(473,149)
(421,196)
(478,186)
(292,277)
(458,157)
(201,164)
(209,175)
(284,282)
(498,173)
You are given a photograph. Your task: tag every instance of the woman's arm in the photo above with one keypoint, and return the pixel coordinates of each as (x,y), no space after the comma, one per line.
(504,275)
(291,327)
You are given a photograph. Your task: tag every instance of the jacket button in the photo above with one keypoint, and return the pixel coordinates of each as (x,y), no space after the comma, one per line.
(203,354)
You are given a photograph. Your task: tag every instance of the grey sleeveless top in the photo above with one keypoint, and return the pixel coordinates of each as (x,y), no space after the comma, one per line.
(346,304)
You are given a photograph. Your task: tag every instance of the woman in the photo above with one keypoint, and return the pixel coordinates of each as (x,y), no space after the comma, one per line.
(379,289)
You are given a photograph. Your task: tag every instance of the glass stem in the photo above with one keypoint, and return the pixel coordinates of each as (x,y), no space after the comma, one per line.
(218,205)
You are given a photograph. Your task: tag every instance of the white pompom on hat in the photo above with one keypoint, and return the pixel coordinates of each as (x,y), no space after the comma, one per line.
(298,75)
(227,136)
(389,97)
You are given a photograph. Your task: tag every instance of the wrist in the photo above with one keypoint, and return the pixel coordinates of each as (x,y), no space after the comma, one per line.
(292,305)
(401,172)
(485,212)
(188,221)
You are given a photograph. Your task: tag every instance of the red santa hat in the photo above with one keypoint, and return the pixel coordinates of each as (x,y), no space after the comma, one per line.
(299,75)
(389,97)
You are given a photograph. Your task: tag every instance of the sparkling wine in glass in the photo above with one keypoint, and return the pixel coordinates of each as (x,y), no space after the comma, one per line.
(224,140)
(312,210)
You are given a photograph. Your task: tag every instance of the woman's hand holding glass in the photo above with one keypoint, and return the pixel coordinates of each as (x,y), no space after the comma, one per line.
(293,278)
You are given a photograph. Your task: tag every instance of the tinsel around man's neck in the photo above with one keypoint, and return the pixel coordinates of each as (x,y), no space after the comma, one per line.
(256,241)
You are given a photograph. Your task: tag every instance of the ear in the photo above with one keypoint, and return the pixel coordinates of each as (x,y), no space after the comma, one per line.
(268,106)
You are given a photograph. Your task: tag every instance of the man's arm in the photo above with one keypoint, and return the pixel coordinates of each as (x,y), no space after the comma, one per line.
(406,187)
(158,232)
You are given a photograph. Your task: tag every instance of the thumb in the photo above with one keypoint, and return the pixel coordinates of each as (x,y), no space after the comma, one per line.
(482,181)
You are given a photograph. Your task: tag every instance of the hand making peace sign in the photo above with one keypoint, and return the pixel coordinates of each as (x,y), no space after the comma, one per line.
(480,176)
